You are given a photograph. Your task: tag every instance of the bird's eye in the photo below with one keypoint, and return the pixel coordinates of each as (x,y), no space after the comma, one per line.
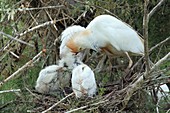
(80,48)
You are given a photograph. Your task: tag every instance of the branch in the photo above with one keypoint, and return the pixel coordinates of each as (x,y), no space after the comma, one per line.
(160,62)
(155,8)
(37,27)
(160,43)
(82,107)
(30,9)
(11,37)
(34,28)
(145,35)
(12,90)
(57,103)
(139,82)
(21,69)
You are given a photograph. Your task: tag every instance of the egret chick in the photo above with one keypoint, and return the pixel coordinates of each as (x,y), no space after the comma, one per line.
(51,79)
(83,81)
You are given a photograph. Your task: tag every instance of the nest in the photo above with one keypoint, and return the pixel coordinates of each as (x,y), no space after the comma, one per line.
(39,23)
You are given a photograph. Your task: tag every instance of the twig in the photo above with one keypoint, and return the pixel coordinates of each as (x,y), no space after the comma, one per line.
(34,28)
(37,27)
(12,90)
(160,43)
(82,107)
(145,35)
(160,62)
(20,69)
(32,93)
(14,54)
(11,37)
(51,20)
(30,9)
(58,103)
(155,8)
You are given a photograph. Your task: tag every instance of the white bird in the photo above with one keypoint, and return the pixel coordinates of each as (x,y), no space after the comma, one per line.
(109,34)
(67,57)
(83,81)
(51,79)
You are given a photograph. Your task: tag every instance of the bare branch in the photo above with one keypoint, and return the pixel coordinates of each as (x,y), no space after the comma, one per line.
(21,69)
(160,62)
(34,28)
(156,7)
(145,35)
(83,107)
(57,103)
(14,54)
(12,90)
(37,27)
(139,82)
(160,43)
(30,9)
(11,37)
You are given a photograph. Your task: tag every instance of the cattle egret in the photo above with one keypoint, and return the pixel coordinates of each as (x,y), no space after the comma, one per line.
(107,33)
(67,57)
(51,79)
(83,81)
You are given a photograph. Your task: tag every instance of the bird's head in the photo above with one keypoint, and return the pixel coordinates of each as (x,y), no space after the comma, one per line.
(74,47)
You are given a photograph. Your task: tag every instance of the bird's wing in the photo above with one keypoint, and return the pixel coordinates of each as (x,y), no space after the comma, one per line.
(108,29)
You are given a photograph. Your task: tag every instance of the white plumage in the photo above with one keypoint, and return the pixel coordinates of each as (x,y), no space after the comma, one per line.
(67,57)
(108,34)
(65,36)
(51,79)
(83,81)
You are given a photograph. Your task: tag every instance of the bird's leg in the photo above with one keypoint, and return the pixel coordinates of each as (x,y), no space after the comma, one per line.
(130,61)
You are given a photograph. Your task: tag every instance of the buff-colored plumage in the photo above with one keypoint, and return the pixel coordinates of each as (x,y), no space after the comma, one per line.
(83,81)
(65,36)
(67,57)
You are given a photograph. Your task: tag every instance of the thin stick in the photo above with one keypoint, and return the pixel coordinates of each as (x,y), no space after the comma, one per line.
(21,69)
(160,62)
(58,103)
(155,8)
(14,54)
(83,107)
(51,19)
(11,37)
(35,28)
(160,43)
(12,90)
(30,9)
